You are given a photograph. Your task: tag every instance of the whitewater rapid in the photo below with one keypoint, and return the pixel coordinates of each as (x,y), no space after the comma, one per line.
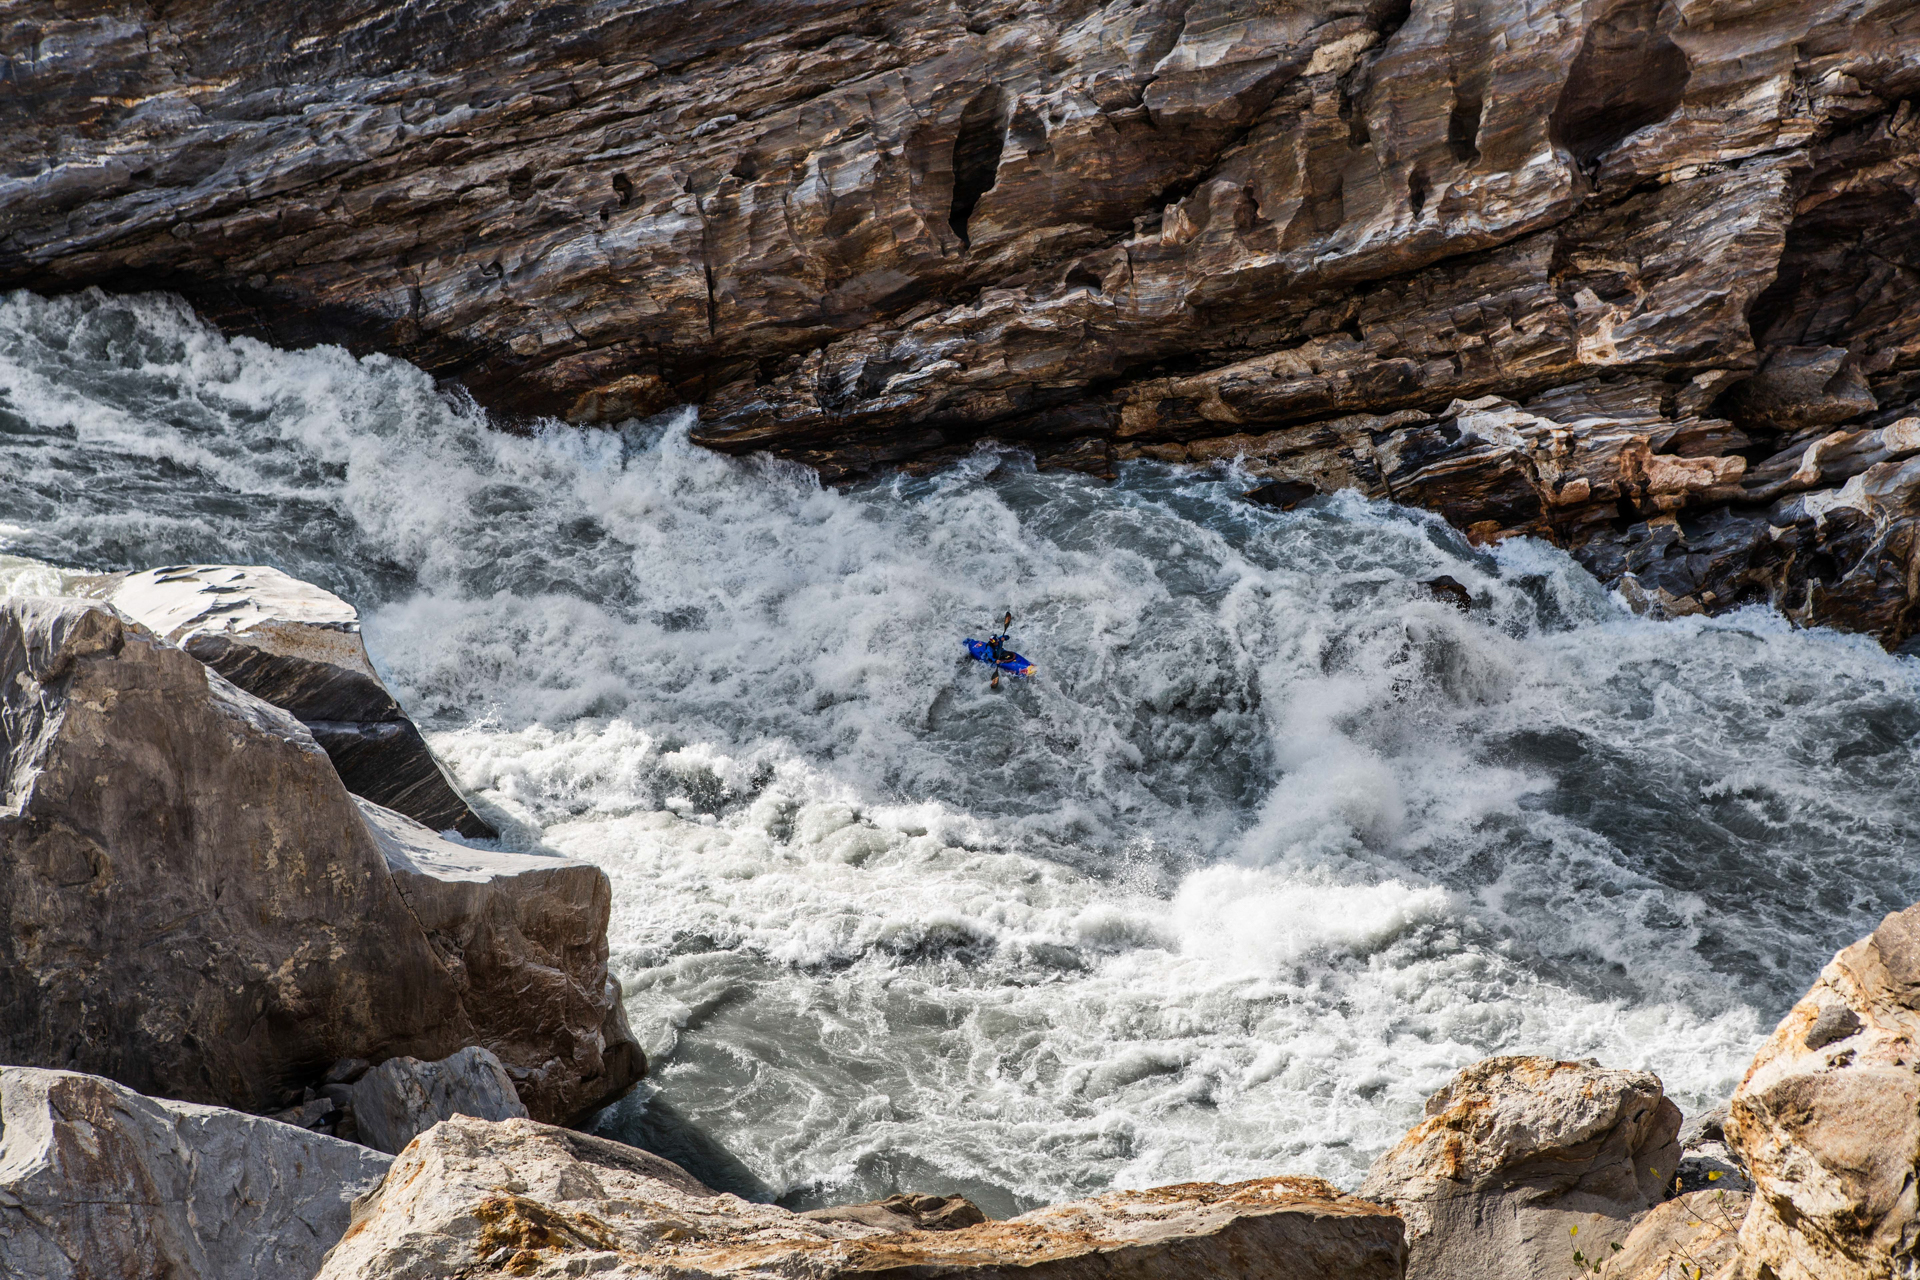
(1274,843)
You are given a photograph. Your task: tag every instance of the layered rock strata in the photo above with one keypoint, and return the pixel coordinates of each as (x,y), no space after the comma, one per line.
(474,1199)
(97,1181)
(1828,1119)
(1676,239)
(1521,1162)
(299,647)
(193,905)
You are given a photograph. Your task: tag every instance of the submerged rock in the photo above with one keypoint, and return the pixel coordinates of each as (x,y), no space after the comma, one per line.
(1828,1119)
(192,904)
(404,1097)
(97,1181)
(1521,1162)
(472,1198)
(299,647)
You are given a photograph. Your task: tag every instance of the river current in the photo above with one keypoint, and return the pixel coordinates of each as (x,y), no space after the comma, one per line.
(1273,844)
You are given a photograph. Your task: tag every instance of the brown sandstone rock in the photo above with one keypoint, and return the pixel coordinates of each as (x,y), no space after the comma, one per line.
(1689,1236)
(861,235)
(1513,1154)
(1828,1119)
(299,647)
(98,1182)
(192,904)
(475,1199)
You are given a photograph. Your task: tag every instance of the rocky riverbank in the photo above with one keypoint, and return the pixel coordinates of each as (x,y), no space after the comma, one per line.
(1631,276)
(198,909)
(195,906)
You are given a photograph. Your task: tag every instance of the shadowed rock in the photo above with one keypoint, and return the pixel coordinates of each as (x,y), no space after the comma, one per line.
(404,1097)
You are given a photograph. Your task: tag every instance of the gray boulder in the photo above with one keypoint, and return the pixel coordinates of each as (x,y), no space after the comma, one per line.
(404,1097)
(192,904)
(97,1181)
(1517,1153)
(299,647)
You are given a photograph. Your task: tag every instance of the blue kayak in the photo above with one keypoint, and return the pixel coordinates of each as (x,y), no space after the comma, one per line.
(1011,663)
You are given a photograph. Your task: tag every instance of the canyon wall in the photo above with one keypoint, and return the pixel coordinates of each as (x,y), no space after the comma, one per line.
(1630,275)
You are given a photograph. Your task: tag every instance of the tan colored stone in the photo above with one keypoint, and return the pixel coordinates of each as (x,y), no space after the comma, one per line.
(1521,1162)
(473,1199)
(1828,1119)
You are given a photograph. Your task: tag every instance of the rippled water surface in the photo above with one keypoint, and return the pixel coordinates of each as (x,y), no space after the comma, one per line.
(1273,844)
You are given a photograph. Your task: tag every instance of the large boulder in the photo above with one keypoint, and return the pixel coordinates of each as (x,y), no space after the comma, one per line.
(1828,1119)
(1514,1155)
(404,1097)
(192,904)
(98,1183)
(299,647)
(1690,1237)
(473,1198)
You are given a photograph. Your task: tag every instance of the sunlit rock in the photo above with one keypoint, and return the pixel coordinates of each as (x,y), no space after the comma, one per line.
(97,1181)
(1828,1119)
(1523,1162)
(518,1198)
(299,647)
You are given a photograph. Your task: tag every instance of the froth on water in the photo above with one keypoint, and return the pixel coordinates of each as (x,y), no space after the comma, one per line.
(1275,842)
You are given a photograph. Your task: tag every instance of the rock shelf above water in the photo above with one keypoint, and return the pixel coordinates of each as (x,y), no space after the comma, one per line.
(1630,276)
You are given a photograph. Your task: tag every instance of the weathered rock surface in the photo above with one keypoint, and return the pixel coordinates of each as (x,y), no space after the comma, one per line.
(299,647)
(473,1199)
(1690,1237)
(1828,1119)
(906,1212)
(404,1097)
(1677,239)
(98,1182)
(192,904)
(1707,1163)
(1513,1154)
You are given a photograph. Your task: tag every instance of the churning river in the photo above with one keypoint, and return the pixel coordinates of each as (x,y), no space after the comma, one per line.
(1274,843)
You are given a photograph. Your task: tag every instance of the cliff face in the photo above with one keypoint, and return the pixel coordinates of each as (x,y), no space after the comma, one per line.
(1632,275)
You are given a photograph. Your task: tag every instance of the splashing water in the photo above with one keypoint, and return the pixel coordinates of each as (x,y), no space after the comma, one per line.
(1274,843)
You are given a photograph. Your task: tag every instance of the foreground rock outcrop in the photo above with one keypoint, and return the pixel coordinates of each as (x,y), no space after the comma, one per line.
(1632,275)
(471,1199)
(1828,1120)
(97,1181)
(1691,1237)
(298,647)
(1514,1155)
(193,905)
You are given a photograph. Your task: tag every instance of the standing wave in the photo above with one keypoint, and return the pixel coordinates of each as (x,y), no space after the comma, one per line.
(1274,843)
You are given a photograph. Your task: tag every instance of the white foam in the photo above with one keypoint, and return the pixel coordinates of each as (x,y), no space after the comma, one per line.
(1274,844)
